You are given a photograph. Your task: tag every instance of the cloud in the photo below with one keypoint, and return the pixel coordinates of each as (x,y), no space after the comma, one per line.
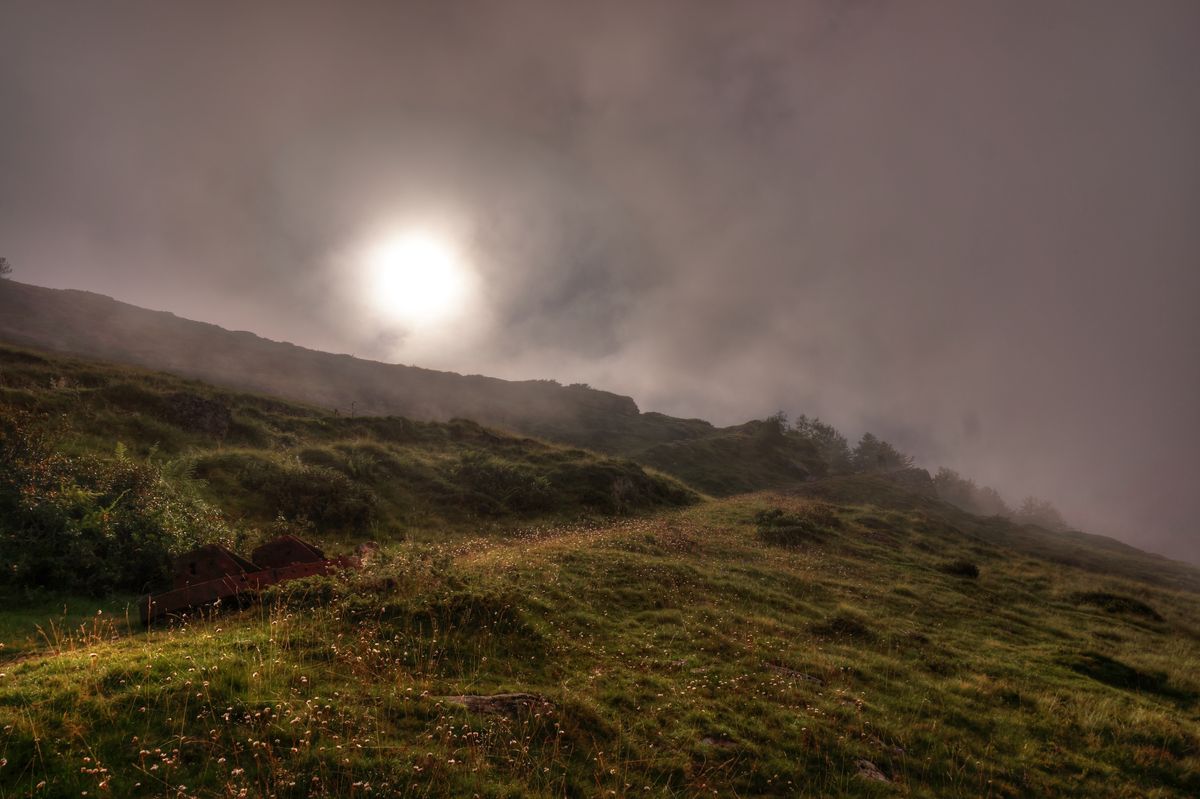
(969,228)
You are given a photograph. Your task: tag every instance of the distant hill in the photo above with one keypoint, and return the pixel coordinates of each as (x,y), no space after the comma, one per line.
(716,460)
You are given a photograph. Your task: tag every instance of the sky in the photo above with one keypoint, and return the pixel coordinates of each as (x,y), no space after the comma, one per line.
(972,228)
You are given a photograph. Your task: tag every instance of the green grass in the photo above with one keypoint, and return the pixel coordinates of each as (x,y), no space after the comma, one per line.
(767,644)
(257,458)
(680,655)
(36,623)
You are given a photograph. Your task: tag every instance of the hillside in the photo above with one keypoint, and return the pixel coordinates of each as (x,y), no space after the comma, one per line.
(545,621)
(1073,548)
(257,459)
(90,324)
(684,655)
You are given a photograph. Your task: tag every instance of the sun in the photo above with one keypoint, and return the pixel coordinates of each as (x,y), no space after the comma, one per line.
(417,278)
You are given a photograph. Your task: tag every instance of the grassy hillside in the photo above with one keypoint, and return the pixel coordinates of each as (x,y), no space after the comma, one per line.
(757,646)
(108,470)
(1095,553)
(544,621)
(93,325)
(737,459)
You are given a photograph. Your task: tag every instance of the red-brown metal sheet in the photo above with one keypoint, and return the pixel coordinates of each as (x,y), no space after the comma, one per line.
(237,580)
(284,551)
(209,562)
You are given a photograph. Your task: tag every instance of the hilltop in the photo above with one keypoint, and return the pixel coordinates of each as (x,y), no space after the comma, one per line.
(93,325)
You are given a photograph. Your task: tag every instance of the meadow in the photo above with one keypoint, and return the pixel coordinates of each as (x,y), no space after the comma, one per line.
(676,655)
(844,638)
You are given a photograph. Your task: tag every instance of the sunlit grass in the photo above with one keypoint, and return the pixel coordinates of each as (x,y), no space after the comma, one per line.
(679,655)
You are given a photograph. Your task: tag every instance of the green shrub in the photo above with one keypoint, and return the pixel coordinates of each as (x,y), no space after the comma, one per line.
(493,486)
(322,495)
(90,524)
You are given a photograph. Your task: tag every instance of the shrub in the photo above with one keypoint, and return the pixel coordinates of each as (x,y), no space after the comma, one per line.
(494,486)
(319,494)
(961,568)
(90,524)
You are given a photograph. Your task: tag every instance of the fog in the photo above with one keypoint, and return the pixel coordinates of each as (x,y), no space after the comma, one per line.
(968,227)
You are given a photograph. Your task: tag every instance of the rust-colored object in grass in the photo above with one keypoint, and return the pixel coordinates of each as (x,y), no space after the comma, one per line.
(214,573)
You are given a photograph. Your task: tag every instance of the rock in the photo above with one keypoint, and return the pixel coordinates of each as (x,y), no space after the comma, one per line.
(869,771)
(502,704)
(719,740)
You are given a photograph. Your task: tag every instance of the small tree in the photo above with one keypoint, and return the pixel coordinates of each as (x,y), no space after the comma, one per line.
(1041,512)
(954,488)
(988,502)
(832,445)
(5,267)
(873,454)
(963,492)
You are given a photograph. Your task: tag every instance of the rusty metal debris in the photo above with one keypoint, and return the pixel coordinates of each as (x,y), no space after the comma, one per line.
(214,573)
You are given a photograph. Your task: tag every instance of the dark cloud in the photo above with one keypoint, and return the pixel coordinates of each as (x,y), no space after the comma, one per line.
(969,227)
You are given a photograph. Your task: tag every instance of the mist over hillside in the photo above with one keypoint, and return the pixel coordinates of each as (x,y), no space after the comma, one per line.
(756,455)
(91,324)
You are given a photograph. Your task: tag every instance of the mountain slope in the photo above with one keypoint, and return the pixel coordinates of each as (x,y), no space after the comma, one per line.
(90,324)
(542,621)
(108,472)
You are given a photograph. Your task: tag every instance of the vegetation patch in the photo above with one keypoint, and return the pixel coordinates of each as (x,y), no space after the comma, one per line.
(961,568)
(844,624)
(1116,603)
(785,528)
(87,523)
(682,657)
(495,487)
(328,499)
(1110,671)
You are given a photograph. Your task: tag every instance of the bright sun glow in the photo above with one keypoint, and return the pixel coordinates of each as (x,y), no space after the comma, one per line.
(418,279)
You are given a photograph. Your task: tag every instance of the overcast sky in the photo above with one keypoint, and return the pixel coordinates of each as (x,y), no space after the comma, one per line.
(971,227)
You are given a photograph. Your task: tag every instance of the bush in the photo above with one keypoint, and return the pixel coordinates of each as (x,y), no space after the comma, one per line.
(328,499)
(961,568)
(91,524)
(494,486)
